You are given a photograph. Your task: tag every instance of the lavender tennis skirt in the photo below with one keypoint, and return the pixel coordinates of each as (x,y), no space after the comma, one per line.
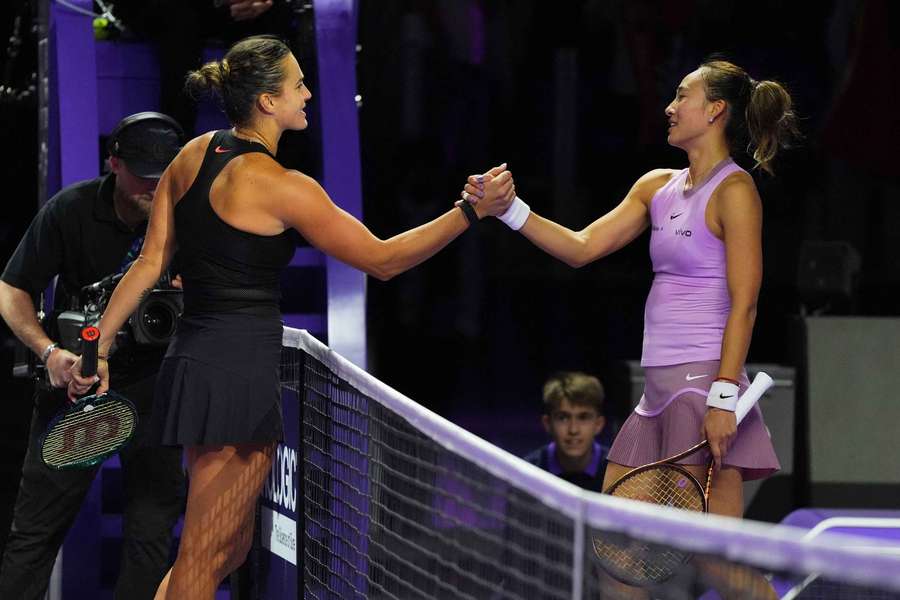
(669,419)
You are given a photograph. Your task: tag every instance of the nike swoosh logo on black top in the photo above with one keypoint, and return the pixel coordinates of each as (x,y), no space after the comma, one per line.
(220,149)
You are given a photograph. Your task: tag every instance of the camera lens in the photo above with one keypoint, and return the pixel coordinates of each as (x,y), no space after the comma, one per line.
(158,320)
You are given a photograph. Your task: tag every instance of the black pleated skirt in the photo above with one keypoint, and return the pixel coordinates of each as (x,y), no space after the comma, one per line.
(219,382)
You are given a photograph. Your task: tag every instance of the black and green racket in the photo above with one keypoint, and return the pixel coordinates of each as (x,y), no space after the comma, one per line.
(93,427)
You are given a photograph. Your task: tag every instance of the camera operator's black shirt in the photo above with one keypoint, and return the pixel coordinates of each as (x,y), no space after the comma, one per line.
(78,236)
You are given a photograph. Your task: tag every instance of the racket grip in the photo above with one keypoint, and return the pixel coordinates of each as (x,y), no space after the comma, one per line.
(761,383)
(90,339)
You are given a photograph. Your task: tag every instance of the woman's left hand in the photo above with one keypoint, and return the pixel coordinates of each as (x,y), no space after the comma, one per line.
(79,386)
(719,427)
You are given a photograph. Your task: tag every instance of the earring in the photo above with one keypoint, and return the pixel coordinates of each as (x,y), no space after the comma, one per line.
(710,119)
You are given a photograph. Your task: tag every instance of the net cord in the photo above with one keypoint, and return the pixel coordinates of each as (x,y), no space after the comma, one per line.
(840,556)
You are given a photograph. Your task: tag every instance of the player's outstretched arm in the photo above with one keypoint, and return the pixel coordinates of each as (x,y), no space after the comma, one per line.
(306,207)
(607,234)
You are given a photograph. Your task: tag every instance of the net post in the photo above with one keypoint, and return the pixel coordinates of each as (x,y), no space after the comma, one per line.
(578,556)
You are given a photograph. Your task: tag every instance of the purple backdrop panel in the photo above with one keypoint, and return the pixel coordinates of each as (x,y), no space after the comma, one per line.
(73,127)
(73,37)
(314,323)
(336,51)
(127,81)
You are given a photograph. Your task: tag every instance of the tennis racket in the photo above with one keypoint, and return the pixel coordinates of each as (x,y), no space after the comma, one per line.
(94,427)
(669,484)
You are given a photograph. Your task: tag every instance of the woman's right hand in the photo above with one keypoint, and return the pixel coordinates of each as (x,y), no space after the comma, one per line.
(79,386)
(492,193)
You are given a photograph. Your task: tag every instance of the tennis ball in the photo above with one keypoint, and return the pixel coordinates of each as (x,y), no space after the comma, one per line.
(101,28)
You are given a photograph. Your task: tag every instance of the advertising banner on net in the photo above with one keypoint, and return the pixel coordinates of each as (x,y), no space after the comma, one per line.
(278,533)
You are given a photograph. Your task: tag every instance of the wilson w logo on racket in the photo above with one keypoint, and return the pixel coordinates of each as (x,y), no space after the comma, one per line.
(89,432)
(94,427)
(665,483)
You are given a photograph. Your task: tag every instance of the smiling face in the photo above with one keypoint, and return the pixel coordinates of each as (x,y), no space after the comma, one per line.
(289,104)
(690,112)
(573,428)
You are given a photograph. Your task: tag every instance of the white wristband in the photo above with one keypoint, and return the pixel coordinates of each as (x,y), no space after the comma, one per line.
(722,394)
(516,215)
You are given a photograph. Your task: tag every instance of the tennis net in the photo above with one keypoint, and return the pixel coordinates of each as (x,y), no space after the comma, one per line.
(399,503)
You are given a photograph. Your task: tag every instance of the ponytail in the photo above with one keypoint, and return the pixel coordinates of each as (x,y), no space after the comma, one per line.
(771,122)
(760,116)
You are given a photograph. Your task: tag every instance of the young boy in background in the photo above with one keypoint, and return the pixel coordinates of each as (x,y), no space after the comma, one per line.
(573,416)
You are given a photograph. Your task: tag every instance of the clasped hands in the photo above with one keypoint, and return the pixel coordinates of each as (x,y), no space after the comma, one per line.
(490,193)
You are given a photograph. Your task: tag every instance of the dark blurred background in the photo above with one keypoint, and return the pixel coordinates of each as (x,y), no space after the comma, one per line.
(19,124)
(571,94)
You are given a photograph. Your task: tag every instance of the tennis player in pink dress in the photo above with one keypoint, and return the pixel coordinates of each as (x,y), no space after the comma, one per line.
(705,244)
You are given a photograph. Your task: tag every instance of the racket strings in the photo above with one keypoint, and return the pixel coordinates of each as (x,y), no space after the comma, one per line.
(662,485)
(85,435)
(637,562)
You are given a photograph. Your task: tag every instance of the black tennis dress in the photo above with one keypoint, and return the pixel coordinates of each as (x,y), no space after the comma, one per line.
(219,380)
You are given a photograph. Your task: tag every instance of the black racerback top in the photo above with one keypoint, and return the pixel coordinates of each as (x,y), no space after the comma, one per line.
(225,269)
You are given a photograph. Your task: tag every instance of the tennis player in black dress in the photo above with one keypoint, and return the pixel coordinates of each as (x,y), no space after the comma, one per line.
(228,205)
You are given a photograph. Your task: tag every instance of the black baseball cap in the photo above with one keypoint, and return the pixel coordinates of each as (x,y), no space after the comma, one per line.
(146,142)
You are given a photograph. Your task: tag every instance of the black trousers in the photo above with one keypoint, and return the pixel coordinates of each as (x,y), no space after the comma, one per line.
(48,502)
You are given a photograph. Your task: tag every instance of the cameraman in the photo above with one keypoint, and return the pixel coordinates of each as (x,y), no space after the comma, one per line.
(86,232)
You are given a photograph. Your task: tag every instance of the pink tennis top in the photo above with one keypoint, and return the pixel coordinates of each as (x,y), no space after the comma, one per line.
(688,305)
